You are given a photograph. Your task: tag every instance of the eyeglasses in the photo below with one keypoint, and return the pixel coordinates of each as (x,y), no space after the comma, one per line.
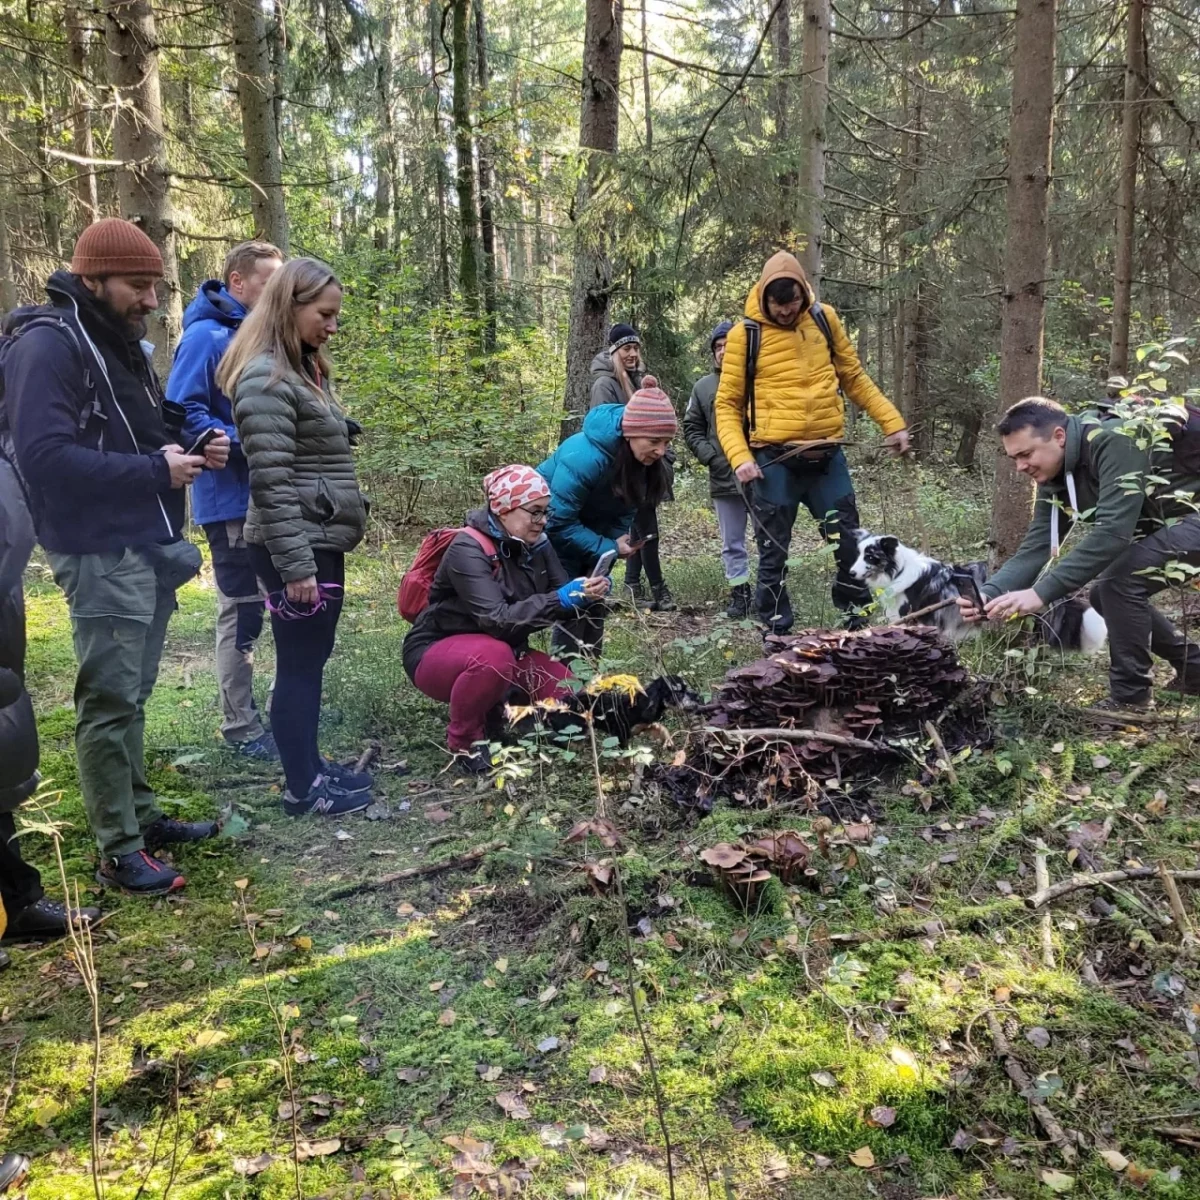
(536,514)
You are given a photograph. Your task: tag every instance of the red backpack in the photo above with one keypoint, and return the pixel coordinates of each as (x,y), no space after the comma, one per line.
(413,597)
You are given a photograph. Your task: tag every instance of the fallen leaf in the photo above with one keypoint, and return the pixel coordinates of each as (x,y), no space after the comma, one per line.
(1099,761)
(862,1157)
(330,915)
(410,1074)
(188,964)
(302,943)
(554,1135)
(253,1166)
(738,937)
(595,1139)
(963,1140)
(491,1074)
(210,1037)
(343,836)
(1140,1177)
(548,1044)
(548,995)
(45,1112)
(437,815)
(1037,1036)
(241,884)
(223,1084)
(447,1016)
(501,965)
(321,1149)
(598,1074)
(287,1110)
(882,1117)
(1056,1181)
(437,985)
(824,1079)
(1115,1159)
(513,1106)
(905,1061)
(776,1168)
(577,1187)
(1157,807)
(1002,994)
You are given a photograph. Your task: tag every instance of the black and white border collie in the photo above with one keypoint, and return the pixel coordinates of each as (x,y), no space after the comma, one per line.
(906,581)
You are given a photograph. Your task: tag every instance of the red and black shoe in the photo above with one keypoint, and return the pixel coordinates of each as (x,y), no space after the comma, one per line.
(139,874)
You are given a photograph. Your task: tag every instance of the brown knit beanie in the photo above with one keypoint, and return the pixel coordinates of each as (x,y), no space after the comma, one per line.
(115,247)
(649,413)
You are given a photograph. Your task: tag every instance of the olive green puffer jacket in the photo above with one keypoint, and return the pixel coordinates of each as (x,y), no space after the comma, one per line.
(303,492)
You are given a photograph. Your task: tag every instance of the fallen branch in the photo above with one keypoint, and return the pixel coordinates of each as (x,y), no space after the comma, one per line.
(943,760)
(924,612)
(1016,1072)
(366,757)
(801,735)
(1101,879)
(1122,788)
(1186,936)
(449,864)
(1041,874)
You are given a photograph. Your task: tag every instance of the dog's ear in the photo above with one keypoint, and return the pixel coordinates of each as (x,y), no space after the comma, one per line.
(889,544)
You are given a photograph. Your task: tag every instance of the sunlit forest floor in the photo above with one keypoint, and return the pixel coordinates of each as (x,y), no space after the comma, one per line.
(473,1028)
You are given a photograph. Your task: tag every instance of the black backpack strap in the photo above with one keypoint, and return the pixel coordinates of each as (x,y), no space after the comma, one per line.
(822,322)
(753,342)
(39,318)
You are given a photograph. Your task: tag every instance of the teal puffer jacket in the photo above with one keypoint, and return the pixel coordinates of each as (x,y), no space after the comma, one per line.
(586,516)
(304,494)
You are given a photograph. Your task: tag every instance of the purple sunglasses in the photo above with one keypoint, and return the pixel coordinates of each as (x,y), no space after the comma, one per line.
(278,604)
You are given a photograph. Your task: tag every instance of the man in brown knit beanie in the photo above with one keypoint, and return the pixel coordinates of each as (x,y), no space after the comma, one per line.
(105,476)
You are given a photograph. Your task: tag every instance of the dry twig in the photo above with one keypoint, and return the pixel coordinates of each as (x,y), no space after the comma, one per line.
(1101,879)
(943,759)
(801,735)
(1186,937)
(1041,874)
(449,864)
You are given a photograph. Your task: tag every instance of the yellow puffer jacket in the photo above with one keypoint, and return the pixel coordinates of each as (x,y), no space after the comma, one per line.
(796,381)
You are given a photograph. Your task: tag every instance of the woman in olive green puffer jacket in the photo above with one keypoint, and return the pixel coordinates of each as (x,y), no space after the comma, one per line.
(306,511)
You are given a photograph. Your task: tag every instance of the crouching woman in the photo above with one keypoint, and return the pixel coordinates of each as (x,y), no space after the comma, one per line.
(499,582)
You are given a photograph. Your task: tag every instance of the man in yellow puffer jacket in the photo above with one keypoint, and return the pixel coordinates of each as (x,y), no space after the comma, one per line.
(796,403)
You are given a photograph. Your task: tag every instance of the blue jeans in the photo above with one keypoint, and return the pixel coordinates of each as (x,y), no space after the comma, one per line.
(825,489)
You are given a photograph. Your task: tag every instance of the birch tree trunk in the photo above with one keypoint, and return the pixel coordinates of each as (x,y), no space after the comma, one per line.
(592,281)
(814,104)
(82,143)
(143,183)
(255,87)
(1030,140)
(1131,135)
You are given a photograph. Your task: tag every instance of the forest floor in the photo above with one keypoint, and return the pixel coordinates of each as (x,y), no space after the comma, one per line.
(477,1024)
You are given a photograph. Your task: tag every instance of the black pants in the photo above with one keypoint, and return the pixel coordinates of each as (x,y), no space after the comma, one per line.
(20,884)
(825,489)
(645,524)
(302,648)
(1136,629)
(582,635)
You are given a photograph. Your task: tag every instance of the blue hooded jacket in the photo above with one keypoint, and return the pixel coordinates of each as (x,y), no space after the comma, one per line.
(209,324)
(586,515)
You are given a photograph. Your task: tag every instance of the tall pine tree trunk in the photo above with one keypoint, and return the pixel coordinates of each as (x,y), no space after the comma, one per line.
(143,183)
(1131,134)
(464,153)
(782,100)
(592,282)
(82,144)
(487,191)
(441,173)
(385,143)
(1030,141)
(8,273)
(255,87)
(814,104)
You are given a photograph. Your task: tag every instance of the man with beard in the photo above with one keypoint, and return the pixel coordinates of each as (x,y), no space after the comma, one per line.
(105,476)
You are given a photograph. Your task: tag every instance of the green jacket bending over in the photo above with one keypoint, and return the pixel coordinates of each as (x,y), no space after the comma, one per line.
(1104,463)
(304,494)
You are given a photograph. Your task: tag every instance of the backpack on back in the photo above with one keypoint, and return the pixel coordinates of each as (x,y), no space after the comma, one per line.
(754,344)
(412,599)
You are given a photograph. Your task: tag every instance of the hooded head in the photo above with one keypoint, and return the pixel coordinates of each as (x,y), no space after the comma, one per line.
(776,301)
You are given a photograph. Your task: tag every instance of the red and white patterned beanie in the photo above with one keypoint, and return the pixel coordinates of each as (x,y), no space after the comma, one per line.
(512,487)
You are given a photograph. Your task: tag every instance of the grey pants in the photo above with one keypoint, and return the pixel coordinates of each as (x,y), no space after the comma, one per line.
(1136,629)
(731,520)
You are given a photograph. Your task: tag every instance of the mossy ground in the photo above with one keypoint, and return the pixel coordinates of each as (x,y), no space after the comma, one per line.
(406,1010)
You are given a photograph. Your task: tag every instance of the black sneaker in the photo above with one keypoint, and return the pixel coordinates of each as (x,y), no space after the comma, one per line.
(13,1171)
(46,919)
(663,600)
(168,832)
(637,592)
(259,749)
(1117,707)
(476,761)
(326,799)
(741,602)
(139,874)
(346,780)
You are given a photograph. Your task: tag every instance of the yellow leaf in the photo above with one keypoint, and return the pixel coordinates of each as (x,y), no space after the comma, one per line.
(223,1084)
(862,1157)
(46,1111)
(501,965)
(211,1037)
(1002,994)
(302,943)
(241,884)
(615,683)
(905,1061)
(1056,1181)
(1115,1159)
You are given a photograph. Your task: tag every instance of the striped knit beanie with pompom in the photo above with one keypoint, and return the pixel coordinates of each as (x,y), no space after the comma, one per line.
(649,413)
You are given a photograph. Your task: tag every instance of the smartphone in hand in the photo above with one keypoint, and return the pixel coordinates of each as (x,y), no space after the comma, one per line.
(200,444)
(968,587)
(604,564)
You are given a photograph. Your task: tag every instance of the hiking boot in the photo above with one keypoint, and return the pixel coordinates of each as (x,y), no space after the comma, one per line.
(326,799)
(259,749)
(345,779)
(139,874)
(1185,685)
(476,761)
(13,1170)
(741,602)
(1108,704)
(637,593)
(663,600)
(46,919)
(168,832)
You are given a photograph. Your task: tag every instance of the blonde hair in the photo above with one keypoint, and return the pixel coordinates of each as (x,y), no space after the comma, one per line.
(271,326)
(245,256)
(623,380)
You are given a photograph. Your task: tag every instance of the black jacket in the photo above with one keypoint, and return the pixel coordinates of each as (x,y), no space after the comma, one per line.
(466,596)
(18,729)
(700,433)
(87,424)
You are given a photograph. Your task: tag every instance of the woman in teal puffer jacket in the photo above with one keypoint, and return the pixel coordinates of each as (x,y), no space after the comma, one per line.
(598,479)
(306,511)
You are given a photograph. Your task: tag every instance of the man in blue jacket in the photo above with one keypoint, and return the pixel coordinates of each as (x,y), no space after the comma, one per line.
(220,499)
(99,452)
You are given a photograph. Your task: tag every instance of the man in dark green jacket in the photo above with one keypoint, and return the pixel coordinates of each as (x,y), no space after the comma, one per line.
(700,433)
(1094,472)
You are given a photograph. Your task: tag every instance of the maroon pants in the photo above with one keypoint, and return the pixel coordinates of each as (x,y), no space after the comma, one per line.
(474,672)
